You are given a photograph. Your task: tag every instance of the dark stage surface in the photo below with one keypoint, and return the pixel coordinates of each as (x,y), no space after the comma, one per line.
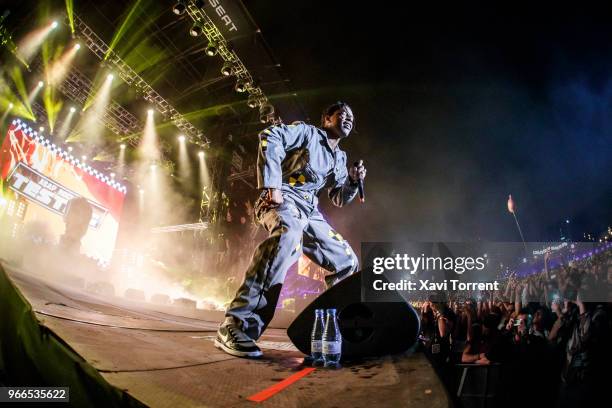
(163,359)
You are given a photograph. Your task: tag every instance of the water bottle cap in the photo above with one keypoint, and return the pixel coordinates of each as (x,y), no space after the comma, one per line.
(331,311)
(319,311)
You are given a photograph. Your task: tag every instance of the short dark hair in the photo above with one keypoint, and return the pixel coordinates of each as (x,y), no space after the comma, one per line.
(79,208)
(331,109)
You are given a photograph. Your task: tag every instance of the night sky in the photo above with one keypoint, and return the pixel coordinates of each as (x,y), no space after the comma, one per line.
(456,109)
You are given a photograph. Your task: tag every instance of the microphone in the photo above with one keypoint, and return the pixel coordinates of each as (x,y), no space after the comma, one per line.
(360,183)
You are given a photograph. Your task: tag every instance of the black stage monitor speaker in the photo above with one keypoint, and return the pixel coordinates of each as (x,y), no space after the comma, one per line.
(368,328)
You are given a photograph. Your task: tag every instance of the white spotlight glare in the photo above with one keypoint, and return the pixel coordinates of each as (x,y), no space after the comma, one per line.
(150,111)
(83,157)
(122,146)
(211,49)
(195,30)
(72,110)
(10,105)
(69,148)
(153,167)
(54,24)
(77,46)
(41,83)
(112,175)
(179,9)
(110,77)
(227,69)
(181,138)
(41,129)
(201,154)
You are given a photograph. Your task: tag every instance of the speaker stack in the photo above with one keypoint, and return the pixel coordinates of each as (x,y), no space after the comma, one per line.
(368,329)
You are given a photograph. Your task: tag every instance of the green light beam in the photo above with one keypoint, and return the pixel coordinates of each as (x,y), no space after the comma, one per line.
(70,14)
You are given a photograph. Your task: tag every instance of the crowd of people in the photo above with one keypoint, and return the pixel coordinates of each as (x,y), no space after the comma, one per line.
(551,346)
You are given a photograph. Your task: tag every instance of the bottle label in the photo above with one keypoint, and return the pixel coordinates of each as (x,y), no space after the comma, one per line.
(316,346)
(332,347)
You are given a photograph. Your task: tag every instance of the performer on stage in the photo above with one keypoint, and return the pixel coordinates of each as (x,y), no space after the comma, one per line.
(295,163)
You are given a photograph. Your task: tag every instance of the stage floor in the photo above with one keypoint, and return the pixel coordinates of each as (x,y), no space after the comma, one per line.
(166,359)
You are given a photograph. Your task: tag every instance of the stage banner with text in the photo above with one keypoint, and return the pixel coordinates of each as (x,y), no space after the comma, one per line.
(47,178)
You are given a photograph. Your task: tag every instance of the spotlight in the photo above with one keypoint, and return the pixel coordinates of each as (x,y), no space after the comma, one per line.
(10,106)
(41,84)
(266,109)
(77,46)
(181,138)
(122,146)
(201,154)
(41,129)
(69,148)
(83,158)
(153,167)
(227,69)
(54,24)
(112,175)
(241,85)
(266,119)
(211,49)
(110,77)
(196,30)
(72,110)
(141,191)
(150,111)
(266,113)
(179,8)
(252,102)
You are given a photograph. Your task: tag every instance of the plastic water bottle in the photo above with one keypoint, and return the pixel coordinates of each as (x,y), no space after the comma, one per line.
(332,341)
(316,338)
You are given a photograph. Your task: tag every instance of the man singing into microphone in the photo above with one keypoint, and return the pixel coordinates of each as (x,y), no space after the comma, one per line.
(295,163)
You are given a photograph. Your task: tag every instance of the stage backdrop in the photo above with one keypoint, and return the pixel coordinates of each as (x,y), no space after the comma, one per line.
(40,174)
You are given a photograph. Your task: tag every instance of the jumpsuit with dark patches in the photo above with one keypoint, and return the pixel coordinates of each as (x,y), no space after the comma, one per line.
(298,160)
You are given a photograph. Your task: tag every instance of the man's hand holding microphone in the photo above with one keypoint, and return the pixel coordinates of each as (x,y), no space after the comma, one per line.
(357,173)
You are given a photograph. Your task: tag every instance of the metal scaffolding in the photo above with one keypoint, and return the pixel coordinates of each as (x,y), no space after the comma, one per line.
(229,56)
(103,51)
(116,118)
(78,88)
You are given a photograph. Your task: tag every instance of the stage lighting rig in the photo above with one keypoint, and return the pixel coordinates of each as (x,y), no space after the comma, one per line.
(242,85)
(232,64)
(196,30)
(211,49)
(227,69)
(266,113)
(252,102)
(179,8)
(101,50)
(266,109)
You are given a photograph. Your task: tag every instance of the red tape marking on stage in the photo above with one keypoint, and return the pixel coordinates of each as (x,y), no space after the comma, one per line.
(268,392)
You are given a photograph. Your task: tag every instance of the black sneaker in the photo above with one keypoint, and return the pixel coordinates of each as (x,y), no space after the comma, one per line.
(233,341)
